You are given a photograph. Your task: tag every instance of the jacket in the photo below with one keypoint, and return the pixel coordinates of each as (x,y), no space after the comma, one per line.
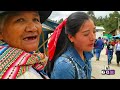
(63,68)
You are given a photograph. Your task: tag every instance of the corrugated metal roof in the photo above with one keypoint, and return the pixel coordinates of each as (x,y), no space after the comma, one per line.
(47,27)
(100,28)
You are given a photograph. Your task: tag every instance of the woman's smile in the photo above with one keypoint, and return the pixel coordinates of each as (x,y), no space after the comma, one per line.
(29,39)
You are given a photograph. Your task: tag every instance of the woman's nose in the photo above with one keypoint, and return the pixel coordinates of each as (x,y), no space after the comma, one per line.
(92,36)
(31,27)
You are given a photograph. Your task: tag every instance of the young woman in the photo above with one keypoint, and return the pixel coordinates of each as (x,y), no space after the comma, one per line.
(70,47)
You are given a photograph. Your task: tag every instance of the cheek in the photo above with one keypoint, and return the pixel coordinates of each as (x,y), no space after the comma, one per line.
(11,36)
(80,42)
(39,28)
(83,42)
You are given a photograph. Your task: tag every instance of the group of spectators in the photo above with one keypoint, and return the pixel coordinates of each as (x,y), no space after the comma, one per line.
(112,46)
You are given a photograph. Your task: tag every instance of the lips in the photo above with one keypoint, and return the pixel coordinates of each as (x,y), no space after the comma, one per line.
(30,37)
(92,44)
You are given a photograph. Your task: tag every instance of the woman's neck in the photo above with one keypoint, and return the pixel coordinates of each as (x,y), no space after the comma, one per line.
(82,56)
(80,52)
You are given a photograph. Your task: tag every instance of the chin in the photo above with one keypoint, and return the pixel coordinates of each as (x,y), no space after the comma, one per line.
(89,50)
(31,49)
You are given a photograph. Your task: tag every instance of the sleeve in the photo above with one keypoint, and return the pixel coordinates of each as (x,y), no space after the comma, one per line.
(115,48)
(63,70)
(103,45)
(108,45)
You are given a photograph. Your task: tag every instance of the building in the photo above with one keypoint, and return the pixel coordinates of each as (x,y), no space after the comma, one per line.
(99,31)
(48,27)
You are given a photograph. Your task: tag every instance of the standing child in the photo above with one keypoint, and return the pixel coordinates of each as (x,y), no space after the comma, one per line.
(110,49)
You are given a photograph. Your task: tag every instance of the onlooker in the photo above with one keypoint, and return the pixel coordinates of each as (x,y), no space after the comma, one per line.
(99,47)
(117,51)
(110,49)
(70,47)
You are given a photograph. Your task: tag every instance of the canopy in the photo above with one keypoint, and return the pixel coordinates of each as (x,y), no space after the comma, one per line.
(108,36)
(117,36)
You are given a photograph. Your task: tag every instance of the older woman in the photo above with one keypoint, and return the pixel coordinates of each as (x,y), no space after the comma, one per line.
(19,38)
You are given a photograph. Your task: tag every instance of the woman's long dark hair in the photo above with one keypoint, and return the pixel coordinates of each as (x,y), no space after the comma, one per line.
(73,24)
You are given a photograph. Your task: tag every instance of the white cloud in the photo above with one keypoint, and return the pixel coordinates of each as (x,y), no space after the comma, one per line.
(57,15)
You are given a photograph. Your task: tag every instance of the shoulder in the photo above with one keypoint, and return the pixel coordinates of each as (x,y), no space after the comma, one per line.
(63,69)
(63,62)
(88,55)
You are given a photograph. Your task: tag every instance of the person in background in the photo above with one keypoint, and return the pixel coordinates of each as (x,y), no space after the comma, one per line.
(70,47)
(94,47)
(117,51)
(19,39)
(110,48)
(99,47)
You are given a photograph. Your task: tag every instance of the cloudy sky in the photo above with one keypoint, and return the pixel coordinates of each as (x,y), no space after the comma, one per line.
(57,15)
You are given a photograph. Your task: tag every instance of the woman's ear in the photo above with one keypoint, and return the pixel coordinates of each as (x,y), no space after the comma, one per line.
(70,37)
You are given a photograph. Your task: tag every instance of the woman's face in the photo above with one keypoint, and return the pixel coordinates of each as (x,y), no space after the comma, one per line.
(84,39)
(23,30)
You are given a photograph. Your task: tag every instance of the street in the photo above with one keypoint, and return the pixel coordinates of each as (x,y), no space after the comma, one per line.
(98,66)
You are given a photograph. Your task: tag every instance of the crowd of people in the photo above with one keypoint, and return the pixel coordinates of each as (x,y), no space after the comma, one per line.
(112,46)
(69,49)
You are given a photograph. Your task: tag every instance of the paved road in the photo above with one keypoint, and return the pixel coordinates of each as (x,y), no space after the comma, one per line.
(97,66)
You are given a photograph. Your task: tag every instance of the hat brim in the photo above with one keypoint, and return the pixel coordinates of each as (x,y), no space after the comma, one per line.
(43,15)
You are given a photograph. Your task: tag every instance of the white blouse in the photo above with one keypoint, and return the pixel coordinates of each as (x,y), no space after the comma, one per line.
(30,74)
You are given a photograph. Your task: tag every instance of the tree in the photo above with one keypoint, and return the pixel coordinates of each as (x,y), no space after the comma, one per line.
(111,22)
(92,15)
(60,20)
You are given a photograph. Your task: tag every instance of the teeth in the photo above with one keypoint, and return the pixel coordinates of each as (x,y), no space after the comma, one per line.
(29,38)
(26,39)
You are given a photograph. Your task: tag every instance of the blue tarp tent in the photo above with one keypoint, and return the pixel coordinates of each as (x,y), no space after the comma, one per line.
(117,36)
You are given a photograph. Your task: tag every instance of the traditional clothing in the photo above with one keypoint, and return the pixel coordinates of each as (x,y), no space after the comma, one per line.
(15,62)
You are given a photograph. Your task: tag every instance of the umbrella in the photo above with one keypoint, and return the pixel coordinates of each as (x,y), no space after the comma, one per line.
(117,36)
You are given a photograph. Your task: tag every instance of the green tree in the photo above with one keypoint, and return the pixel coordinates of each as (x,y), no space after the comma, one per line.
(60,20)
(111,23)
(92,15)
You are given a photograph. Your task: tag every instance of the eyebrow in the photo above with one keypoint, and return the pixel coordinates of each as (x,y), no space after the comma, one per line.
(20,14)
(88,30)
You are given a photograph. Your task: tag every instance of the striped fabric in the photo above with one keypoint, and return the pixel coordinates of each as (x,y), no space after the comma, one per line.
(15,62)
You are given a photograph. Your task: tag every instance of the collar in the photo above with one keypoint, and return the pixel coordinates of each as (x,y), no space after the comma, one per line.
(74,54)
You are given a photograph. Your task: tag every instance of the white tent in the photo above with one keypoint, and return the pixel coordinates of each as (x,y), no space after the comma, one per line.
(117,36)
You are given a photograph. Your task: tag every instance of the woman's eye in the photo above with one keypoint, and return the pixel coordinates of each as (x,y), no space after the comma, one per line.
(35,19)
(20,20)
(86,34)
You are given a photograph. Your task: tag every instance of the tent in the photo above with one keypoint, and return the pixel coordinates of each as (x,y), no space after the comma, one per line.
(117,36)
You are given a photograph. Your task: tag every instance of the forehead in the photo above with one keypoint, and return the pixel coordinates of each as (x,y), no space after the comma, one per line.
(22,13)
(87,24)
